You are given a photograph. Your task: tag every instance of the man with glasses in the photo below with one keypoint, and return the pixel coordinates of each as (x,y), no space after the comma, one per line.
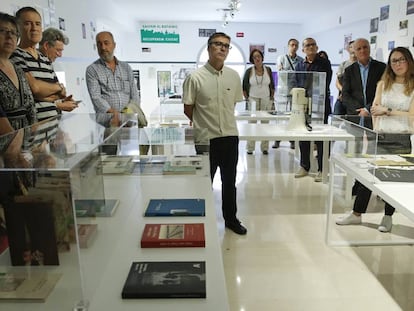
(209,96)
(313,62)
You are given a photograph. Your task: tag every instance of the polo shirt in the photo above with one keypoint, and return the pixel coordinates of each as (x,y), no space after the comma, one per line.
(213,93)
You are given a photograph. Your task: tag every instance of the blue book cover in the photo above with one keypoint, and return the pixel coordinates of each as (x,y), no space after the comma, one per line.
(175,207)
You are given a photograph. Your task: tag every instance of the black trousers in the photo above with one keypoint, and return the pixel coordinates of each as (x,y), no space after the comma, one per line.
(305,154)
(224,154)
(363,195)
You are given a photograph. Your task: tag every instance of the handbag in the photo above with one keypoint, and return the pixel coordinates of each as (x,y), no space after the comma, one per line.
(134,107)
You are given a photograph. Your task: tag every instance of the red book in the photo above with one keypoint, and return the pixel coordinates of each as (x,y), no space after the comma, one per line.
(173,235)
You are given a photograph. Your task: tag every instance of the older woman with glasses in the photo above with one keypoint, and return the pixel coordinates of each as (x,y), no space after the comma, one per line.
(16,99)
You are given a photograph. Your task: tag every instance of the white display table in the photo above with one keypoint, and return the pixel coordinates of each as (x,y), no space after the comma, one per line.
(320,132)
(110,281)
(398,194)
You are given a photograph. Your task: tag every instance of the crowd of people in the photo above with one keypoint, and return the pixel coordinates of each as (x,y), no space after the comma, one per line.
(31,92)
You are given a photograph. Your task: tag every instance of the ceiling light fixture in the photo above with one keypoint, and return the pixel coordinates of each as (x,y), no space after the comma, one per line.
(231,10)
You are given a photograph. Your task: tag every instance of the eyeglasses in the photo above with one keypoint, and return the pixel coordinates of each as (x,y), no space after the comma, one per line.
(400,60)
(308,45)
(10,33)
(221,45)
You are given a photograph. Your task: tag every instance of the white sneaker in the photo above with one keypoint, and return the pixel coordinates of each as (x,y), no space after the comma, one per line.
(350,219)
(386,224)
(318,177)
(301,173)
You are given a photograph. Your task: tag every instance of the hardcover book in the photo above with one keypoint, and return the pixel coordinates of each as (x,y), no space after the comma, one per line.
(168,279)
(394,175)
(86,234)
(95,207)
(175,207)
(173,235)
(33,286)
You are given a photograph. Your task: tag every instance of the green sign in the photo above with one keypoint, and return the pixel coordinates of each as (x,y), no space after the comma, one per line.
(159,33)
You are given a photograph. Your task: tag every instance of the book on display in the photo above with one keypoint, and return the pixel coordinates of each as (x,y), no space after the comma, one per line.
(170,169)
(173,235)
(95,207)
(27,286)
(393,174)
(165,279)
(175,207)
(86,234)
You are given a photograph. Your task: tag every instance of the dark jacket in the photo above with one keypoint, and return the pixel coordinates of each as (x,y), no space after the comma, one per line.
(352,90)
(246,83)
(319,64)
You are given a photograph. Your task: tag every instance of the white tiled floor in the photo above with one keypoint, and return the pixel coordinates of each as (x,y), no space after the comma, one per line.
(283,262)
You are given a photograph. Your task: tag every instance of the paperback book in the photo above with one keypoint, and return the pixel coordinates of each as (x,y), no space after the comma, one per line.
(116,165)
(95,207)
(170,169)
(173,235)
(175,207)
(86,234)
(166,279)
(33,286)
(195,161)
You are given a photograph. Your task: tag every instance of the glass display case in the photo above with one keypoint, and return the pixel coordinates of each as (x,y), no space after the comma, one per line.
(68,186)
(381,159)
(314,84)
(385,151)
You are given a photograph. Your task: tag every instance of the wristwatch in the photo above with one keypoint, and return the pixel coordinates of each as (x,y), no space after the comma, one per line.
(389,111)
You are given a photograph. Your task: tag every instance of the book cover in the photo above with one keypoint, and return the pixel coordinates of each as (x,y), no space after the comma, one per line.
(86,234)
(33,286)
(116,165)
(31,234)
(178,170)
(95,207)
(394,175)
(195,161)
(173,235)
(166,279)
(175,207)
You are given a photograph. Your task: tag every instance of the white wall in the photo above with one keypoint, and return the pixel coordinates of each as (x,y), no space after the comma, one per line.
(327,29)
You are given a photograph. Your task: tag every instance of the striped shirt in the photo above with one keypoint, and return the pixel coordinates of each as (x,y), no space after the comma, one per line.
(41,69)
(109,89)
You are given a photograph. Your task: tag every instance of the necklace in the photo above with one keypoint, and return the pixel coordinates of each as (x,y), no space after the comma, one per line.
(259,84)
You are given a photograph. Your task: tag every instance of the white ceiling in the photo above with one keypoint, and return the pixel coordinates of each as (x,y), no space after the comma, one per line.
(254,11)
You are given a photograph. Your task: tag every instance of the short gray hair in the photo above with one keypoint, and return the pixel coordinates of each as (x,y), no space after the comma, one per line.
(51,35)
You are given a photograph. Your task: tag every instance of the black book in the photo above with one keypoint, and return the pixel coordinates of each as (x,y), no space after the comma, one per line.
(393,174)
(166,279)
